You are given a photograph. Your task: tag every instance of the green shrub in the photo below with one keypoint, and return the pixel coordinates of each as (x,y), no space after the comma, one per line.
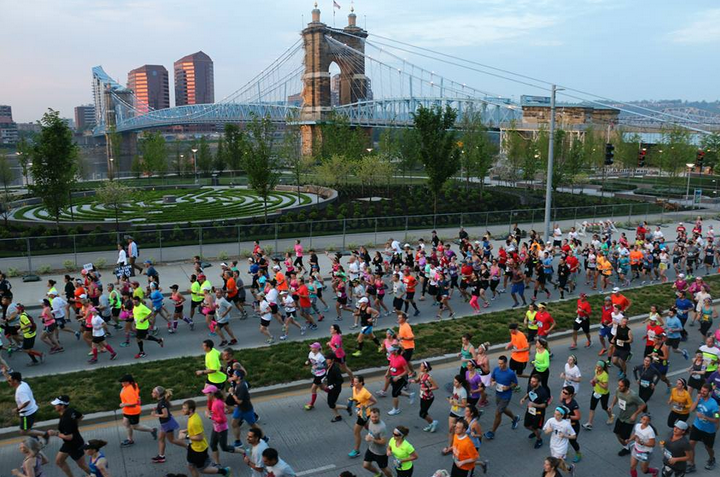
(330,247)
(44,269)
(13,272)
(100,262)
(245,253)
(69,265)
(223,255)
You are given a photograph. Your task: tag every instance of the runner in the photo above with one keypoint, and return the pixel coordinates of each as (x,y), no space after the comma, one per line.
(642,441)
(631,406)
(367,317)
(98,463)
(601,394)
(520,354)
(361,400)
(336,345)
(33,459)
(334,387)
(503,380)
(622,344)
(402,451)
(647,376)
(562,432)
(680,402)
(704,427)
(567,400)
(266,314)
(69,433)
(274,465)
(130,406)
(222,318)
(168,424)
(141,314)
(410,286)
(427,386)
(582,321)
(216,413)
(458,400)
(179,305)
(572,376)
(28,330)
(406,339)
(531,326)
(537,399)
(197,452)
(674,327)
(397,374)
(257,447)
(465,454)
(26,406)
(676,451)
(196,296)
(99,332)
(318,368)
(213,367)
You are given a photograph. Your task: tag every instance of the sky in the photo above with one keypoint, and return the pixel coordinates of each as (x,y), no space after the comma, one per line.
(622,49)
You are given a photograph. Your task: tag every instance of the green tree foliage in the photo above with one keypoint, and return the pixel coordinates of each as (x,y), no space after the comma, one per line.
(7,176)
(402,147)
(154,151)
(235,146)
(438,146)
(24,152)
(339,138)
(178,159)
(204,157)
(477,150)
(260,163)
(514,144)
(677,150)
(710,143)
(373,169)
(114,144)
(333,172)
(54,161)
(220,160)
(291,155)
(137,167)
(112,195)
(627,147)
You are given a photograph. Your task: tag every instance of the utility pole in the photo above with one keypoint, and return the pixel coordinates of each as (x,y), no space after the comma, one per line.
(551,151)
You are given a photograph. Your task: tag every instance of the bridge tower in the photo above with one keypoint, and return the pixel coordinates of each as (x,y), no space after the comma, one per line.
(127,147)
(319,55)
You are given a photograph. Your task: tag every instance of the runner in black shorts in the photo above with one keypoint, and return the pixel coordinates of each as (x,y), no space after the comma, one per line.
(69,433)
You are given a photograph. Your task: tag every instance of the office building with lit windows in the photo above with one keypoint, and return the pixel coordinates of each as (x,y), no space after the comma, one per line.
(151,86)
(194,80)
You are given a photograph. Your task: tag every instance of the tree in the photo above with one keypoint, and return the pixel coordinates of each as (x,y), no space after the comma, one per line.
(477,150)
(626,149)
(204,157)
(340,138)
(154,150)
(24,151)
(373,169)
(7,176)
(220,160)
(5,207)
(514,145)
(178,159)
(235,146)
(260,164)
(438,148)
(84,167)
(54,164)
(401,146)
(710,143)
(333,171)
(291,155)
(112,195)
(675,150)
(137,167)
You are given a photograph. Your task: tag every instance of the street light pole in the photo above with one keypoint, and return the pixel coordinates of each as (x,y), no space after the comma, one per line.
(551,151)
(194,150)
(687,190)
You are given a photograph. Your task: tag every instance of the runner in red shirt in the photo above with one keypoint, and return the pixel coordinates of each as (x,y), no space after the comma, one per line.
(545,322)
(582,321)
(605,324)
(410,284)
(305,303)
(574,265)
(397,373)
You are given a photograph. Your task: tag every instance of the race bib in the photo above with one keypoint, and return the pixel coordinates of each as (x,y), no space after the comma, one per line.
(667,454)
(695,376)
(339,295)
(644,383)
(677,407)
(620,342)
(540,324)
(578,320)
(597,395)
(641,456)
(499,388)
(532,411)
(622,404)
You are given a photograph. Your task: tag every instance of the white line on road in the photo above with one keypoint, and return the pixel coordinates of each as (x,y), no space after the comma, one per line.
(319,469)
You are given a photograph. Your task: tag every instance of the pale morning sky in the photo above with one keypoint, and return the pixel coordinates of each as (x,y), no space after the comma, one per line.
(624,49)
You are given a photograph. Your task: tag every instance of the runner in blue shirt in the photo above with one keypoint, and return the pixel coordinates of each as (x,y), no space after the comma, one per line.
(158,308)
(704,428)
(683,307)
(674,328)
(503,380)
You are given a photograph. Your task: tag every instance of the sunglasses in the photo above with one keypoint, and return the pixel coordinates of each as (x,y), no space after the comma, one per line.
(397,434)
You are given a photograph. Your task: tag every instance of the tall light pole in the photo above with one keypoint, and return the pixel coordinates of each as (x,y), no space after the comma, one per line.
(194,150)
(551,151)
(112,169)
(687,190)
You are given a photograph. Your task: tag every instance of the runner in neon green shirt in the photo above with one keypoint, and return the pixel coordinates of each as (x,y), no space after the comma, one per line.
(141,314)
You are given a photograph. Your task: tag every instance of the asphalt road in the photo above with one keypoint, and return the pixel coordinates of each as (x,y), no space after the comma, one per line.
(315,447)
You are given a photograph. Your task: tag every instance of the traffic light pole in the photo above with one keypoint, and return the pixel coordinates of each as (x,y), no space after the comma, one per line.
(551,151)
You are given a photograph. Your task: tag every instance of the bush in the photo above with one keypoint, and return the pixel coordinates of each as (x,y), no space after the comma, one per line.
(44,269)
(100,262)
(69,265)
(13,272)
(352,246)
(330,247)
(223,255)
(245,253)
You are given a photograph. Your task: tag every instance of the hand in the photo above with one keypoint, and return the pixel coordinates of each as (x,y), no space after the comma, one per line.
(246,459)
(199,373)
(368,438)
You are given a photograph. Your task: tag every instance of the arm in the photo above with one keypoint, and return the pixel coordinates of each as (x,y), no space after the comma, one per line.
(102,466)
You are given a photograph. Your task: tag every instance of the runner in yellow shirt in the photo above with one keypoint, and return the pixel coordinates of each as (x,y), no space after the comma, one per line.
(141,316)
(197,453)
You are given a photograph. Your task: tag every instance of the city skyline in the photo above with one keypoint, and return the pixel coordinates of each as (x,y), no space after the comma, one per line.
(606,47)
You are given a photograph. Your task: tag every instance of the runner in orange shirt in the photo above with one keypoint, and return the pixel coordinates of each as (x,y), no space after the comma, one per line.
(407,340)
(520,354)
(130,406)
(620,299)
(410,284)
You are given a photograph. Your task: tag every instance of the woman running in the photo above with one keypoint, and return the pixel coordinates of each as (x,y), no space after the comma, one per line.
(679,402)
(427,386)
(601,394)
(474,431)
(168,424)
(33,459)
(467,352)
(98,463)
(458,400)
(402,451)
(318,368)
(475,385)
(49,334)
(643,442)
(483,367)
(362,400)
(216,412)
(336,345)
(178,307)
(130,405)
(390,341)
(367,318)
(99,332)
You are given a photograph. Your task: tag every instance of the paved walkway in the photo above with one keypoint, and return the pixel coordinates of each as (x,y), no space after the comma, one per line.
(185,342)
(315,447)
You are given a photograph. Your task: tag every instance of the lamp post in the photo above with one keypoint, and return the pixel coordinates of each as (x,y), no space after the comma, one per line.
(194,150)
(112,168)
(551,151)
(29,170)
(687,190)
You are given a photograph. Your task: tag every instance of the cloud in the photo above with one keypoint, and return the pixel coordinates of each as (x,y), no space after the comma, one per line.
(705,29)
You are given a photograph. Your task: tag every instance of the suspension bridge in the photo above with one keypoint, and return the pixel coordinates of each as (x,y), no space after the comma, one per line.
(377,86)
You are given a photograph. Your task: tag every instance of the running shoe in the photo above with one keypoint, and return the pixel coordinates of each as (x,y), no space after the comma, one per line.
(394,412)
(313,327)
(588,344)
(577,458)
(162,342)
(602,351)
(411,398)
(427,428)
(485,464)
(690,469)
(92,361)
(515,422)
(381,393)
(624,451)
(433,426)
(353,326)
(270,340)
(573,346)
(282,338)
(223,343)
(127,443)
(489,435)
(192,326)
(303,329)
(336,419)
(158,459)
(338,318)
(212,333)
(610,420)
(353,453)
(140,355)
(538,444)
(710,464)
(77,335)
(321,317)
(124,344)
(685,353)
(587,426)
(113,356)
(308,407)
(233,342)
(571,469)
(228,471)
(417,312)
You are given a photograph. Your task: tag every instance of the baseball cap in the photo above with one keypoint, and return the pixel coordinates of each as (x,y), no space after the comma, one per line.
(94,444)
(393,348)
(201,276)
(681,425)
(583,295)
(83,297)
(174,287)
(542,305)
(276,267)
(363,300)
(53,293)
(607,298)
(148,262)
(681,276)
(223,264)
(209,389)
(616,290)
(63,400)
(316,345)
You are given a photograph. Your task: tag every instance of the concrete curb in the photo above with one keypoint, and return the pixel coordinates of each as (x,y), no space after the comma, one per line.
(276,389)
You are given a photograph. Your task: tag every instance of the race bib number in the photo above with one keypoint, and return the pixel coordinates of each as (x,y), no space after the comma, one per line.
(620,342)
(668,455)
(644,383)
(695,376)
(641,456)
(677,407)
(532,411)
(622,404)
(578,320)
(597,395)
(339,295)
(499,388)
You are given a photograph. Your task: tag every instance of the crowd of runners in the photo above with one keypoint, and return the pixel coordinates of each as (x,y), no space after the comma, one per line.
(291,295)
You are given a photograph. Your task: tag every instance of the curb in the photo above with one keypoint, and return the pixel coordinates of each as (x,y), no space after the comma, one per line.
(276,389)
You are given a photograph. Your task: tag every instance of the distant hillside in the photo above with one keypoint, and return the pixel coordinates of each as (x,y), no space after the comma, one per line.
(709,106)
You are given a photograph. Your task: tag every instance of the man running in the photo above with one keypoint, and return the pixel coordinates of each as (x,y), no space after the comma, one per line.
(704,427)
(141,315)
(503,380)
(582,321)
(631,406)
(213,366)
(69,433)
(377,439)
(26,407)
(197,453)
(520,354)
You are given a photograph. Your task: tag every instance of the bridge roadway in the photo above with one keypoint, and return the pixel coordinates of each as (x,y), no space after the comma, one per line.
(315,447)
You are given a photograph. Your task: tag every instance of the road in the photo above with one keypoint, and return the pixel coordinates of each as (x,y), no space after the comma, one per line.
(315,447)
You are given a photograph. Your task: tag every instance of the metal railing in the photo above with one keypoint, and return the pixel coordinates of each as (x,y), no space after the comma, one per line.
(172,243)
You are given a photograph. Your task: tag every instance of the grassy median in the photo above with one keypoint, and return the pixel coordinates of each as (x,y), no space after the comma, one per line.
(97,389)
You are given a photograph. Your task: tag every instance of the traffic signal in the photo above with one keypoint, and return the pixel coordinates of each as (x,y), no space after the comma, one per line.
(609,154)
(641,157)
(699,158)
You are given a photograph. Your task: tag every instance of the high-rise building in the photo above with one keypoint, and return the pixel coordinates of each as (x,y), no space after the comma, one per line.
(151,86)
(194,80)
(84,117)
(8,127)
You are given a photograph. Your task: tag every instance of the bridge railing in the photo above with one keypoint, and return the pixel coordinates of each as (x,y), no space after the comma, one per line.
(179,243)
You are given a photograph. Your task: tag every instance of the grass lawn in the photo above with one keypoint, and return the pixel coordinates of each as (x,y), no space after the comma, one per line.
(98,389)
